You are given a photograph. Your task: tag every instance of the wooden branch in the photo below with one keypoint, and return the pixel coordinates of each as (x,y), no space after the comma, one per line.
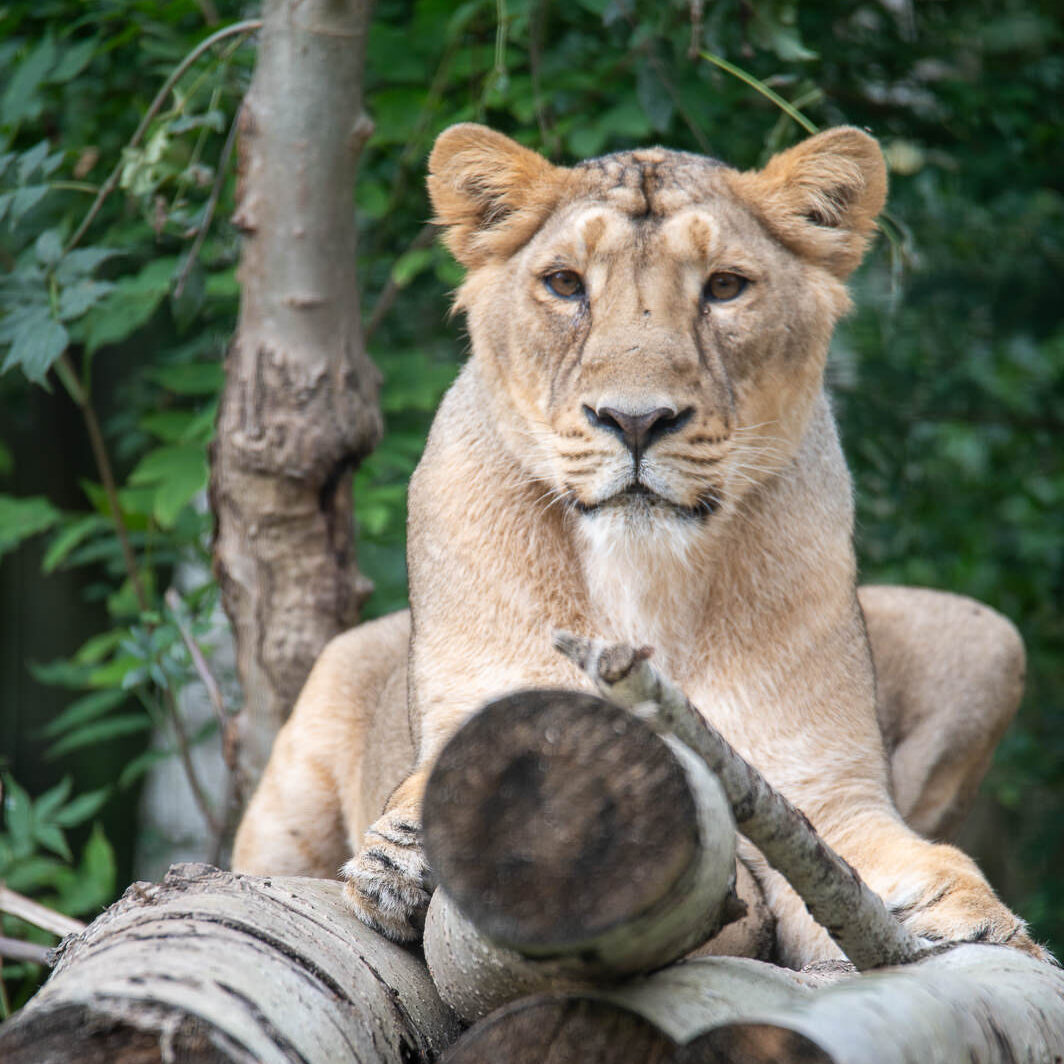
(575,843)
(17,950)
(212,967)
(39,915)
(836,896)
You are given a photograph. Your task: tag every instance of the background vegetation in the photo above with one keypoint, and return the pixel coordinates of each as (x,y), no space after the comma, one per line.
(949,378)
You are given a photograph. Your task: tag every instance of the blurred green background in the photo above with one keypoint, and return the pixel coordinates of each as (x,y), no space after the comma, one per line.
(949,377)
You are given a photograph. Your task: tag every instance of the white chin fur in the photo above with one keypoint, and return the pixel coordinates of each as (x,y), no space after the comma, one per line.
(642,575)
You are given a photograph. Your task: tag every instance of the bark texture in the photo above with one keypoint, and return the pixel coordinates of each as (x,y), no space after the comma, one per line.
(972,1004)
(836,896)
(299,410)
(212,967)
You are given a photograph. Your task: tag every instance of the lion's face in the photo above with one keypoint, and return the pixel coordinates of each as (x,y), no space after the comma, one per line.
(659,322)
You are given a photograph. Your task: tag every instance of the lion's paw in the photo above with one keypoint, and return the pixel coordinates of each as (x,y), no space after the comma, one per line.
(965,910)
(389,883)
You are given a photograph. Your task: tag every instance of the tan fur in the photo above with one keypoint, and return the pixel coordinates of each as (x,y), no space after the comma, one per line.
(735,561)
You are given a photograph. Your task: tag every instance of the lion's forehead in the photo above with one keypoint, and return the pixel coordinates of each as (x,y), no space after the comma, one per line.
(650,182)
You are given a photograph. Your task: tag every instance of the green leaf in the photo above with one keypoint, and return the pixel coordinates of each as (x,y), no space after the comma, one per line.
(72,60)
(410,264)
(177,472)
(30,161)
(18,101)
(7,463)
(82,808)
(21,518)
(69,537)
(79,263)
(129,305)
(36,347)
(140,764)
(80,297)
(52,799)
(48,248)
(97,647)
(99,732)
(87,708)
(191,378)
(25,199)
(51,837)
(653,97)
(18,810)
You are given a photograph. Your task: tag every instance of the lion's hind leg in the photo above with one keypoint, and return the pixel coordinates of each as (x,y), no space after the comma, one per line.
(310,801)
(949,678)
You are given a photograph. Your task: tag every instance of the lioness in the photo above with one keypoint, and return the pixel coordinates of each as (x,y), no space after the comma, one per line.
(640,448)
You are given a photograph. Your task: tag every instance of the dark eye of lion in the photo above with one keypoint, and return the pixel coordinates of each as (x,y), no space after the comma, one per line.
(723,286)
(566,284)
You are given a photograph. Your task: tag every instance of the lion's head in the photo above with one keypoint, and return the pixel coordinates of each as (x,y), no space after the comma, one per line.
(658,322)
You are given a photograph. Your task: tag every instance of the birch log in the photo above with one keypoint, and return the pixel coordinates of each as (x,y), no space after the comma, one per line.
(833,891)
(565,830)
(213,967)
(970,1004)
(299,409)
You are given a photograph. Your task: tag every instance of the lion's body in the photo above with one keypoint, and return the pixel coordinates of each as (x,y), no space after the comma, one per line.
(640,454)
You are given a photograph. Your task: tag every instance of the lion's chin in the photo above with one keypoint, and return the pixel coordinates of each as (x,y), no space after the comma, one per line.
(639,504)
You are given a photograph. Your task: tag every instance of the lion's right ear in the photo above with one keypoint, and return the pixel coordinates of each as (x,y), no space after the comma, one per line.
(489,192)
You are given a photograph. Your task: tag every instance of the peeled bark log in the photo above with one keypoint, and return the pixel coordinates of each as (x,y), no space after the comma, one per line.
(833,891)
(566,831)
(970,1004)
(299,410)
(213,967)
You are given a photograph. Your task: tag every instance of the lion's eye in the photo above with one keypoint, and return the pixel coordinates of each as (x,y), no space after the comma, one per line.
(566,284)
(723,286)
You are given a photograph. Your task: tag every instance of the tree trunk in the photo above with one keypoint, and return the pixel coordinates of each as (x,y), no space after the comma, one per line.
(213,967)
(299,410)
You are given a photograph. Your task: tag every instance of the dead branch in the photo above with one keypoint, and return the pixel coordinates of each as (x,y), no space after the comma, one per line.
(836,896)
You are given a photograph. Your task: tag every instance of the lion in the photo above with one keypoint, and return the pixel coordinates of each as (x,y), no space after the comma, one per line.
(641,448)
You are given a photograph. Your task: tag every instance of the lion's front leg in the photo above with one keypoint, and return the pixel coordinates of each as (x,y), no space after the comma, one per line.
(936,890)
(389,882)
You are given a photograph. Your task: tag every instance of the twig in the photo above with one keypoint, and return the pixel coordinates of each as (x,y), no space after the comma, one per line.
(836,896)
(426,235)
(18,950)
(199,663)
(247,26)
(39,915)
(184,750)
(80,396)
(212,204)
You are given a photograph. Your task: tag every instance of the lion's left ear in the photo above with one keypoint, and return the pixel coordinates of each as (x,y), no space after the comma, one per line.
(821,197)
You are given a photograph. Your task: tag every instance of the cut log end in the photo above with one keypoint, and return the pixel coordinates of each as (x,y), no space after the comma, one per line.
(554,816)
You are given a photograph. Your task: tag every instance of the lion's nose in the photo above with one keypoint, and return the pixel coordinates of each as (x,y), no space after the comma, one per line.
(638,429)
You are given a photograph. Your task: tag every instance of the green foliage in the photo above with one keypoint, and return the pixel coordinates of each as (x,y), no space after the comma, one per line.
(948,376)
(36,858)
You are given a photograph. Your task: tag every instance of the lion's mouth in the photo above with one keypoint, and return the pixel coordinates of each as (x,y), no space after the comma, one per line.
(639,497)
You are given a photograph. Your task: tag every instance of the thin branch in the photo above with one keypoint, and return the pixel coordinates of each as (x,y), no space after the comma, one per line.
(212,204)
(836,896)
(18,950)
(426,235)
(69,376)
(184,750)
(199,663)
(247,26)
(41,916)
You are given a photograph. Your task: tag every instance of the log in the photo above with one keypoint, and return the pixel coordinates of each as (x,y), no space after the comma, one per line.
(968,1004)
(571,843)
(214,967)
(834,893)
